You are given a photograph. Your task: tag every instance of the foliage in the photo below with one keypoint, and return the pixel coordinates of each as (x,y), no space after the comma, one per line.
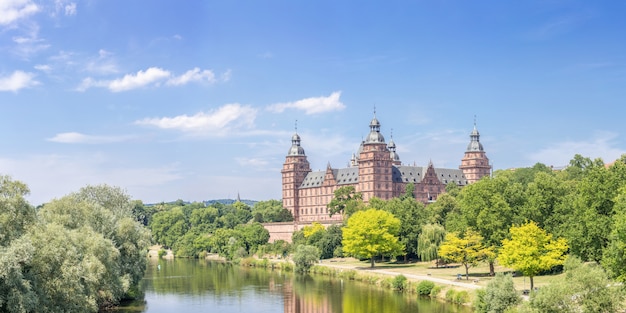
(345,201)
(271,211)
(83,252)
(15,212)
(531,250)
(584,288)
(614,259)
(467,250)
(399,282)
(425,287)
(429,241)
(498,296)
(370,233)
(162,253)
(305,257)
(412,216)
(310,230)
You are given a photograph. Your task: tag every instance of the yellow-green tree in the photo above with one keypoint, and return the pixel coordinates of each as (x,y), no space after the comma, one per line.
(531,250)
(312,229)
(370,233)
(467,250)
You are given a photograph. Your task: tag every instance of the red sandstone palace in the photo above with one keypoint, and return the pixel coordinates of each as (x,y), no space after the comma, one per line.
(375,171)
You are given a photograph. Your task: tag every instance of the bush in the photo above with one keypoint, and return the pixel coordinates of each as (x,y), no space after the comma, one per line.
(498,296)
(425,287)
(399,282)
(305,257)
(435,291)
(461,297)
(450,294)
(162,253)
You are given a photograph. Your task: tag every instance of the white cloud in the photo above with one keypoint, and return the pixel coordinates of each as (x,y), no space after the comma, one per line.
(16,81)
(253,162)
(141,79)
(30,44)
(73,137)
(601,146)
(103,64)
(194,75)
(13,10)
(312,105)
(43,67)
(217,122)
(152,76)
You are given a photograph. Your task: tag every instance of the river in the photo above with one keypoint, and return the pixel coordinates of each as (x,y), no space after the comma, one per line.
(190,286)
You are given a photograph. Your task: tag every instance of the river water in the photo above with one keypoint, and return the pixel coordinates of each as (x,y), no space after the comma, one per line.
(190,286)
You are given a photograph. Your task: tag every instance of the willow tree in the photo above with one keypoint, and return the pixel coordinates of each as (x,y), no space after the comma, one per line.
(429,241)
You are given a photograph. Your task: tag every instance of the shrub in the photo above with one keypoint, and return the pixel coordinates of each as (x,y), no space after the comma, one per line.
(435,291)
(425,287)
(498,296)
(162,253)
(348,274)
(305,257)
(399,282)
(450,295)
(461,297)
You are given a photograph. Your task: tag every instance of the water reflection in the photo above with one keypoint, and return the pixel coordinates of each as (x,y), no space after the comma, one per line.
(202,286)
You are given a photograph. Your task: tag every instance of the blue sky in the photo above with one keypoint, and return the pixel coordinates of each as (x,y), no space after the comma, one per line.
(198,100)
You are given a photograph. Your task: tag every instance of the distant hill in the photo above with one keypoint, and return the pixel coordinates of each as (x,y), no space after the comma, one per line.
(209,202)
(230,201)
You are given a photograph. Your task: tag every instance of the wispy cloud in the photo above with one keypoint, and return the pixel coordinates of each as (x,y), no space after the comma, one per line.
(153,76)
(314,105)
(18,80)
(601,146)
(74,137)
(13,10)
(102,64)
(219,122)
(29,44)
(557,26)
(194,75)
(67,8)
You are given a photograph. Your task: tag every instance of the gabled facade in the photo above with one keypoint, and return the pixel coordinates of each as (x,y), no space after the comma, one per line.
(375,171)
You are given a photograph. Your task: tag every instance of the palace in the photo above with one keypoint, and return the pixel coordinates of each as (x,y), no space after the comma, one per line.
(375,171)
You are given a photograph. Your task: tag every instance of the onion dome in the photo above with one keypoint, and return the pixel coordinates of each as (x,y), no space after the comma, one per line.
(392,151)
(374,136)
(295,149)
(475,144)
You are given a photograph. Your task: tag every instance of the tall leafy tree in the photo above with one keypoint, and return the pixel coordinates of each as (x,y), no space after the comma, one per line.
(16,214)
(531,250)
(412,216)
(370,233)
(345,201)
(467,250)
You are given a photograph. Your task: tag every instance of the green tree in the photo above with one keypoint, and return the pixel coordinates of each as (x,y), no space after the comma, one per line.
(531,250)
(467,250)
(305,257)
(614,258)
(412,216)
(346,201)
(370,233)
(16,215)
(498,296)
(429,241)
(271,211)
